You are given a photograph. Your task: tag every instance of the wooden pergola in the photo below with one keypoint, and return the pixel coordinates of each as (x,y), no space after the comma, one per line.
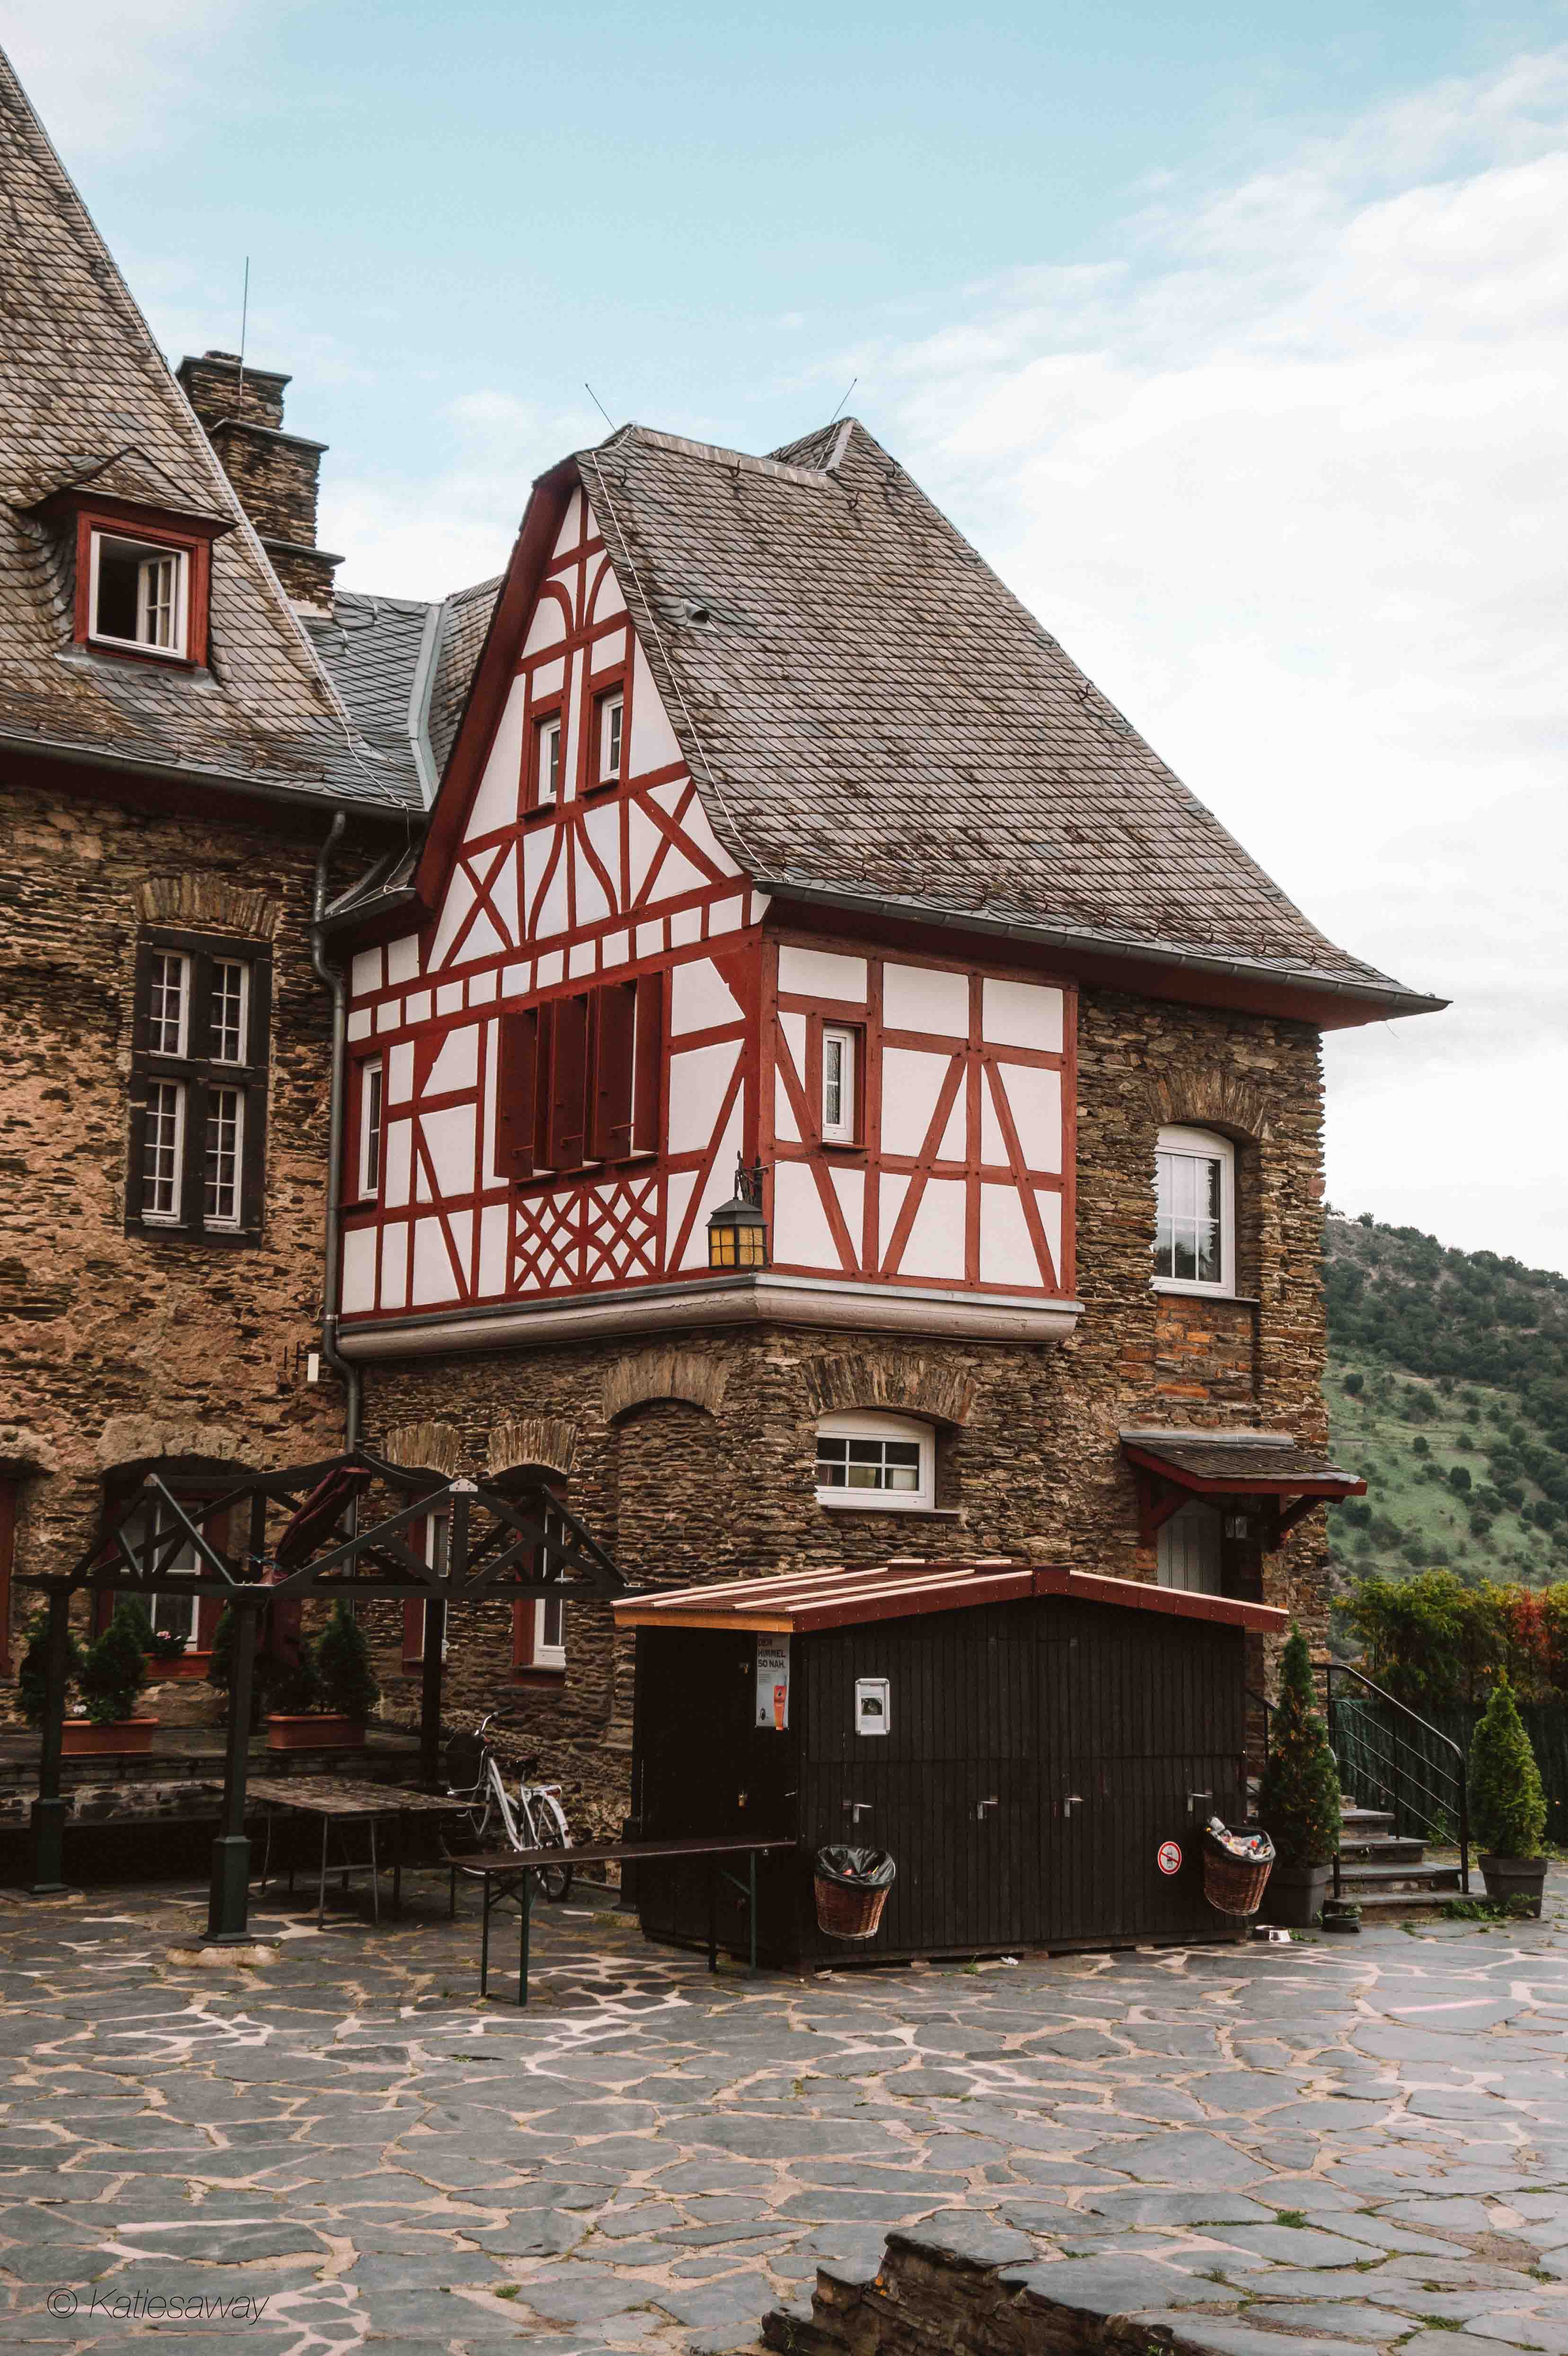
(508,1540)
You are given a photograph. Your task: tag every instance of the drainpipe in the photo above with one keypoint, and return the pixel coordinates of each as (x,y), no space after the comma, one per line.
(349,1375)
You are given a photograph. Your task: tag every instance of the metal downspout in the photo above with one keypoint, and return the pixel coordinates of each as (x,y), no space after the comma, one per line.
(349,1375)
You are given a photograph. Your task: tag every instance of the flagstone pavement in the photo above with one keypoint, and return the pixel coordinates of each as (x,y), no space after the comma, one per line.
(1350,2143)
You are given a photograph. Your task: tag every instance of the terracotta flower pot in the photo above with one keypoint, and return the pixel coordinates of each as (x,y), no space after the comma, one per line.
(118,1738)
(319,1730)
(1515,1877)
(1294,1895)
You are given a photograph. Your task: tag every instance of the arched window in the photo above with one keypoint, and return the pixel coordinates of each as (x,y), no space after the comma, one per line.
(1195,1212)
(884,1461)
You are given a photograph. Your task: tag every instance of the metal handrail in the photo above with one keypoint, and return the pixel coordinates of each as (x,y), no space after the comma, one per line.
(1331,1669)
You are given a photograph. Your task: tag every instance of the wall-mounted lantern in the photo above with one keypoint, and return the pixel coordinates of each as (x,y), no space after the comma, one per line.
(737,1231)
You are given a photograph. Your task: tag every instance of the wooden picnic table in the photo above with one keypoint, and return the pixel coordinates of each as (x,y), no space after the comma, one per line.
(339,1801)
(509,1879)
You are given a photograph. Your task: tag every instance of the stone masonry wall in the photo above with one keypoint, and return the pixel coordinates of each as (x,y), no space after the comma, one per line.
(119,1346)
(695,1462)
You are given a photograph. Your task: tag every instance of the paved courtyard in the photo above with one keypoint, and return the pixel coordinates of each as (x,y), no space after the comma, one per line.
(1351,2143)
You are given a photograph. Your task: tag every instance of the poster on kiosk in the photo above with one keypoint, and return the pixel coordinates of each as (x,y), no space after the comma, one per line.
(773,1682)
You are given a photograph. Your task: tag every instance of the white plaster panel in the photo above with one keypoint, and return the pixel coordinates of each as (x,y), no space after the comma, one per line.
(677,877)
(700,998)
(399,1153)
(1006,1250)
(367,972)
(678,1193)
(653,740)
(642,839)
(785,1125)
(614,948)
(547,626)
(483,940)
(721,1180)
(608,652)
(607,597)
(697,1084)
(801,1236)
(359,1269)
(993,1144)
(823,973)
(389,1014)
(359,1023)
(549,969)
(1050,1204)
(403,960)
(547,677)
(912,1083)
(456,903)
(449,997)
(449,1141)
(551,916)
(684,926)
(504,895)
(416,1007)
(1021,1014)
(723,916)
(602,828)
(592,904)
(495,803)
(891,1188)
(694,826)
(518,981)
(953,1145)
(935,1246)
(792,1028)
(483,987)
(581,959)
(434,1279)
(400,1072)
(1034,1098)
(456,1065)
(493,1224)
(571,725)
(925,998)
(570,533)
(395,1264)
(850,1186)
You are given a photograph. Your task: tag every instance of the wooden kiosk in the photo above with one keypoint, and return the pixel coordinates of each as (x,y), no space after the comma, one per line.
(1038,1747)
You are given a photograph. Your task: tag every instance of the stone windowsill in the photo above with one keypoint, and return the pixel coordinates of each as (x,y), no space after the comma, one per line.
(903,1512)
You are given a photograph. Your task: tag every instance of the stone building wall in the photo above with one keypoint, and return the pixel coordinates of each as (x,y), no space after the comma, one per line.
(692,1462)
(117,1347)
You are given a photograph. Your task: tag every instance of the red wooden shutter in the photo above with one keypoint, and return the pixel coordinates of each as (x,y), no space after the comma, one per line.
(615,1015)
(517,1091)
(7,1546)
(523,1634)
(413,1633)
(569,1084)
(648,1058)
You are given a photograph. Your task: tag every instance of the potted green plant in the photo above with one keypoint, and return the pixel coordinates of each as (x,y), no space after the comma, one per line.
(1298,1798)
(1508,1806)
(30,1668)
(325,1702)
(111,1675)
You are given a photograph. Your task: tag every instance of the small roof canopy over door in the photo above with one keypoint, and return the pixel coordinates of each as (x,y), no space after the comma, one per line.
(1173,1467)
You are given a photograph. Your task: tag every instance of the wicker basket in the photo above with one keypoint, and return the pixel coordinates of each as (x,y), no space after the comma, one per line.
(845,1913)
(1233,1885)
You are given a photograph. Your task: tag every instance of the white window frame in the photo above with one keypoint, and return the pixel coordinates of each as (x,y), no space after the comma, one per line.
(149,551)
(1189,1546)
(548,743)
(239,965)
(548,1656)
(182,1041)
(437,1539)
(137,1532)
(610,708)
(1203,1145)
(373,1126)
(170,1218)
(225,1219)
(842,1037)
(859,1424)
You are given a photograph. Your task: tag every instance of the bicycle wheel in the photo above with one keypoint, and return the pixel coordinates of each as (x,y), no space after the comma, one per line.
(555,1880)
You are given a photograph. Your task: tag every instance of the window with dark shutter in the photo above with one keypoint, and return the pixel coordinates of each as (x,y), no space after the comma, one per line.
(578,1079)
(197,1161)
(614,1030)
(567,1128)
(517,1091)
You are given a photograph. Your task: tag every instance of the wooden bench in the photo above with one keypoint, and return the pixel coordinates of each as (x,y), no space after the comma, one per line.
(509,1879)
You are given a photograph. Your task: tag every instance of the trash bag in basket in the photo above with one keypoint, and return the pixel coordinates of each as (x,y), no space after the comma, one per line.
(855,1869)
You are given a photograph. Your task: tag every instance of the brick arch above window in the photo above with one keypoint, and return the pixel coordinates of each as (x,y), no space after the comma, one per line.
(544,1443)
(130,1439)
(203,903)
(429,1447)
(649,1374)
(1207,1095)
(894,1382)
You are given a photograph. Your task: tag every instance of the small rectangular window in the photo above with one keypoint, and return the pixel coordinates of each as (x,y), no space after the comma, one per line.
(546,763)
(139,593)
(370,1085)
(163,1150)
(838,1081)
(610,716)
(168,1002)
(224,1137)
(1194,1211)
(231,1004)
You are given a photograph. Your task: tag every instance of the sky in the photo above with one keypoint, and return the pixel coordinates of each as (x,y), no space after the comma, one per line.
(1237,338)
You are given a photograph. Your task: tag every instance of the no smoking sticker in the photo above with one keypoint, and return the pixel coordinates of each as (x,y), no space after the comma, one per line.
(1169,1856)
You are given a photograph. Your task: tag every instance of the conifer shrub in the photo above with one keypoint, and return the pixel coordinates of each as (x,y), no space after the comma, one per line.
(343,1665)
(1508,1806)
(1298,1798)
(220,1667)
(115,1668)
(30,1669)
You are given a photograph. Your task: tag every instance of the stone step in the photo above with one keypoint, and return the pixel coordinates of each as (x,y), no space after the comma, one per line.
(1401,1905)
(1382,1848)
(1365,1820)
(1355,1881)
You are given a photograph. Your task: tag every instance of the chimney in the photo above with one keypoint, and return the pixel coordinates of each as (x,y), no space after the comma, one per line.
(275,473)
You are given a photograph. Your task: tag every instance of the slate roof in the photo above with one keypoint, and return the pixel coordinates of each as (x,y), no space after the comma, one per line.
(1261,1459)
(378,653)
(876,719)
(84,392)
(468,618)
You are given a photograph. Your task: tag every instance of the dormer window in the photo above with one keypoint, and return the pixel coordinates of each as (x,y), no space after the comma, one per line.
(139,593)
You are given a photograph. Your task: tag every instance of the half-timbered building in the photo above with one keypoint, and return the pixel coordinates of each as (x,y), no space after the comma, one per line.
(824,1089)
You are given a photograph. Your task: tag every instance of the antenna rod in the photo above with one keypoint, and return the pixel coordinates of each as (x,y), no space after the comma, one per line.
(245,318)
(598,404)
(848,391)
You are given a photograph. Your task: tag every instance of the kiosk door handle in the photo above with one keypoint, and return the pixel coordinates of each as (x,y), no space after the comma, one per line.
(1197,1795)
(1073,1800)
(981,1806)
(856,1809)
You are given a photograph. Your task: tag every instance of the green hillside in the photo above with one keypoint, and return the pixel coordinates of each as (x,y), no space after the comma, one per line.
(1447,1388)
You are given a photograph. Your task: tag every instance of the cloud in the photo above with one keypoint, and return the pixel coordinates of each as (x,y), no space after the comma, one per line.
(114,75)
(1288,470)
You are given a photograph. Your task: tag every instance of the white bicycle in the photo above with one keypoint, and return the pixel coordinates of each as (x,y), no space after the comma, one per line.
(529,1815)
